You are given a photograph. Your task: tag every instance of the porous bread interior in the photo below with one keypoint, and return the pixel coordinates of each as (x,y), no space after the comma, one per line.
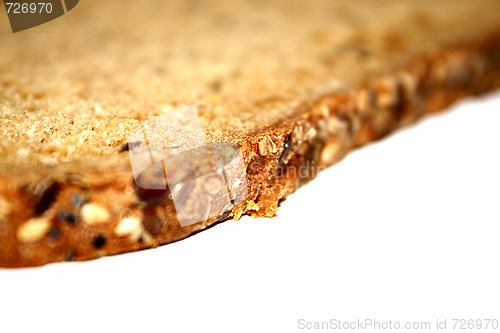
(73,89)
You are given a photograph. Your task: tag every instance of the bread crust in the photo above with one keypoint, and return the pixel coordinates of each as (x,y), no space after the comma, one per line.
(62,216)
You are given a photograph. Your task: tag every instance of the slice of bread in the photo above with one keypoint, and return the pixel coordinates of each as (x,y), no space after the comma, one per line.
(294,84)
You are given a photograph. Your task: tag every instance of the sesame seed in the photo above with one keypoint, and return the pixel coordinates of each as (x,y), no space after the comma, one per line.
(129,226)
(33,230)
(94,214)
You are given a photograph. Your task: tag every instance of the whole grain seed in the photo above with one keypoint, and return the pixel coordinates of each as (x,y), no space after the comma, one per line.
(152,224)
(271,146)
(99,241)
(287,148)
(33,230)
(262,147)
(94,214)
(146,238)
(67,217)
(129,226)
(329,153)
(44,194)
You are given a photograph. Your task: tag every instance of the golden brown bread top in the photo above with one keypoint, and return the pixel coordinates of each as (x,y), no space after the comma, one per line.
(74,88)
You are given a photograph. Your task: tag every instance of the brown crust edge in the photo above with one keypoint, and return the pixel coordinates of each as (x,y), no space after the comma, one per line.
(279,159)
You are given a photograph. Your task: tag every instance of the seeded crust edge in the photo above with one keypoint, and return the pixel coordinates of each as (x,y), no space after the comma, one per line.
(67,217)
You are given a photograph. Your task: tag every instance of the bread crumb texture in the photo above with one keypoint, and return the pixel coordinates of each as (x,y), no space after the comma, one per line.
(76,87)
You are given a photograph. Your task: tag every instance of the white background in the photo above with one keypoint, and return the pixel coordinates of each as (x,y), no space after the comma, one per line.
(406,229)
